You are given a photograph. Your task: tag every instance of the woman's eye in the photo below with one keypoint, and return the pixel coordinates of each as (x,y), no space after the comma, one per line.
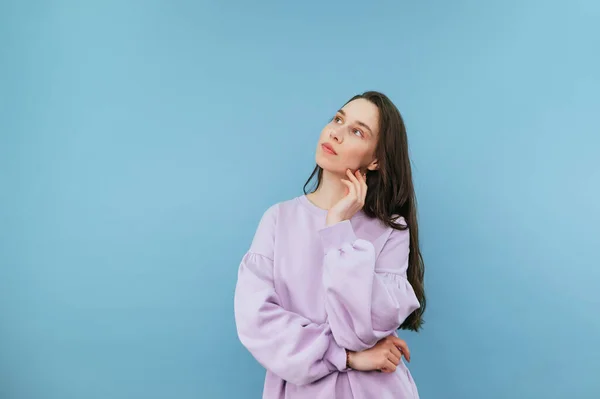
(337,119)
(359,132)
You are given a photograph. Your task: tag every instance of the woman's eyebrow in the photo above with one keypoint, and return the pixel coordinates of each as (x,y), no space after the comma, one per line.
(341,111)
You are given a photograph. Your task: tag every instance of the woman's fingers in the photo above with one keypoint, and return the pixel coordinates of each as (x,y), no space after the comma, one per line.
(396,352)
(361,185)
(356,183)
(401,344)
(389,367)
(362,180)
(394,358)
(351,187)
(364,183)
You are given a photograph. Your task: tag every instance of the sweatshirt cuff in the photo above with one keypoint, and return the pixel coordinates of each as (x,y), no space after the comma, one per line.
(336,356)
(336,235)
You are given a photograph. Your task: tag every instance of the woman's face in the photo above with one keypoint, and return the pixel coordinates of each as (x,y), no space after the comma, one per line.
(352,135)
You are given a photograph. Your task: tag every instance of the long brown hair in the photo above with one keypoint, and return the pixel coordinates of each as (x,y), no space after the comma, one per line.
(391,192)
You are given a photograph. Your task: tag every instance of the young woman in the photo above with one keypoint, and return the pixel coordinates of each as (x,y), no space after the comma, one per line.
(332,274)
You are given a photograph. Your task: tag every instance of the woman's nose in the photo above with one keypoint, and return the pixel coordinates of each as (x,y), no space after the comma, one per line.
(335,135)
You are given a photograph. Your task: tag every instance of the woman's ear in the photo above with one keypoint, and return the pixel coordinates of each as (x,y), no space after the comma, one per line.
(373,165)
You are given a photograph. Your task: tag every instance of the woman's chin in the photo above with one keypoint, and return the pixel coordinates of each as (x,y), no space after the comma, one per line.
(325,164)
(330,166)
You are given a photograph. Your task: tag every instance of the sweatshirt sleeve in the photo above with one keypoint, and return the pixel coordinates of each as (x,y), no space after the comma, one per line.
(286,343)
(366,297)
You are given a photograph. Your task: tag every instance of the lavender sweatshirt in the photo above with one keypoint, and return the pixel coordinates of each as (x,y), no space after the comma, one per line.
(306,292)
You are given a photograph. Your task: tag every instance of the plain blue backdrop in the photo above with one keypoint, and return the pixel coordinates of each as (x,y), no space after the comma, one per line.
(142,141)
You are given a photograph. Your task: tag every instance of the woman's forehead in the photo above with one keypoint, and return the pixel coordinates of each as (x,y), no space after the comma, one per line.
(361,110)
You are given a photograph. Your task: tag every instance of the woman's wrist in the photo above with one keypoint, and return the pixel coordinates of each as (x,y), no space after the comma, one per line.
(330,220)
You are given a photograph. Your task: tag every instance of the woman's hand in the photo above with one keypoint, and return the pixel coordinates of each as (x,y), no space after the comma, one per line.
(352,202)
(384,356)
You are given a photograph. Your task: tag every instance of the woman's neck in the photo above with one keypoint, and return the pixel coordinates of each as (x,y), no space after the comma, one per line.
(329,192)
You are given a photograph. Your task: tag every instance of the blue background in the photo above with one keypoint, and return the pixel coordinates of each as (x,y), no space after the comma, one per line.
(142,141)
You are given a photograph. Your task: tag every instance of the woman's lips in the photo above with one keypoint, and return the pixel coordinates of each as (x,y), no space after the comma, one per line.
(328,148)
